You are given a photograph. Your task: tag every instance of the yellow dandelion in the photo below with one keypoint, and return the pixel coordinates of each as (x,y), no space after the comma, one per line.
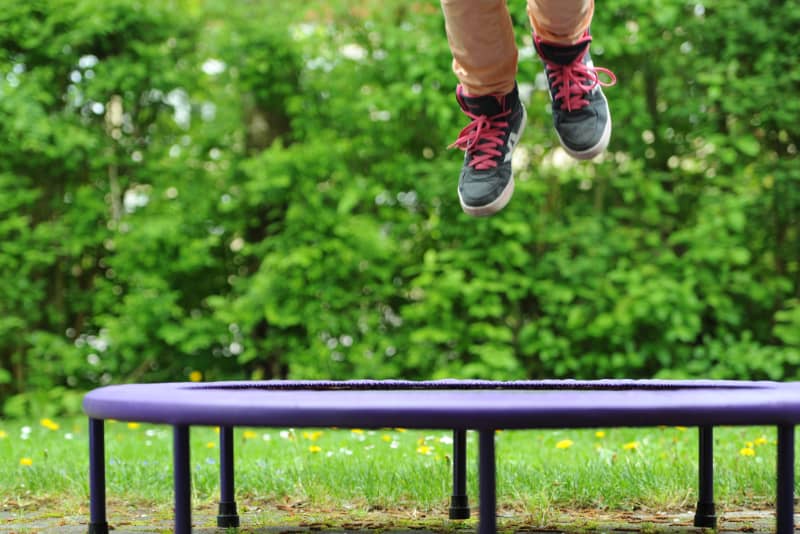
(357,431)
(761,441)
(210,445)
(249,434)
(631,446)
(314,449)
(49,424)
(424,449)
(3,434)
(133,426)
(748,445)
(600,434)
(196,376)
(27,462)
(400,429)
(312,436)
(681,428)
(747,451)
(386,437)
(565,444)
(216,430)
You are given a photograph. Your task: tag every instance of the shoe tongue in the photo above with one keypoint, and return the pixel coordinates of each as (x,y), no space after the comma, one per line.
(560,54)
(489,105)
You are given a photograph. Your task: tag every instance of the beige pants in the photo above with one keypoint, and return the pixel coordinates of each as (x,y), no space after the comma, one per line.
(482,40)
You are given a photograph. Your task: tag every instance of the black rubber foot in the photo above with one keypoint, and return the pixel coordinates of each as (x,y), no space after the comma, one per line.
(98,528)
(705,517)
(227,518)
(459,507)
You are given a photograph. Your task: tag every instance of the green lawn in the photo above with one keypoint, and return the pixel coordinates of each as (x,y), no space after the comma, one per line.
(328,469)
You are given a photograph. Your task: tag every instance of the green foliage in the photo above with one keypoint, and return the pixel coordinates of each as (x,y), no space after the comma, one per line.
(258,191)
(390,470)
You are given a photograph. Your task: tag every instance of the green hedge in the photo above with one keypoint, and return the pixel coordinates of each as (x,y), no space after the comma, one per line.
(260,191)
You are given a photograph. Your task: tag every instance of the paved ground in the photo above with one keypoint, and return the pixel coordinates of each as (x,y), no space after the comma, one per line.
(584,522)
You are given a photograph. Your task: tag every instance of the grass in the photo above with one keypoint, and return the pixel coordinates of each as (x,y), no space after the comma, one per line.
(324,471)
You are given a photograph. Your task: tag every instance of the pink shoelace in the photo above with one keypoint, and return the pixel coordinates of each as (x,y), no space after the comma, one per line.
(480,139)
(572,79)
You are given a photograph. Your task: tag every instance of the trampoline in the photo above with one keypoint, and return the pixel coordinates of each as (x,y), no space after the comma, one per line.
(457,405)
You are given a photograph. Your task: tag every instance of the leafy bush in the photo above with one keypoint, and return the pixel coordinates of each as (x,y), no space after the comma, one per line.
(261,191)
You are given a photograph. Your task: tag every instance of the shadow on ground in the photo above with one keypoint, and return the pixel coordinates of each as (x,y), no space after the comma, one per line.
(260,523)
(257,521)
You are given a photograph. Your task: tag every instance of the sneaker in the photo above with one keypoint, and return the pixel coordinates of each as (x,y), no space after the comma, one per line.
(580,109)
(486,183)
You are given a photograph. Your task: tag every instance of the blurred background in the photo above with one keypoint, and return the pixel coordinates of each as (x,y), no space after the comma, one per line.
(210,189)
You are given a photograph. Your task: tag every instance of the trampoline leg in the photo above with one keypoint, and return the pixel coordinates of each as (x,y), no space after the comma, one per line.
(227,517)
(487,483)
(97,478)
(785,500)
(459,502)
(705,516)
(182,479)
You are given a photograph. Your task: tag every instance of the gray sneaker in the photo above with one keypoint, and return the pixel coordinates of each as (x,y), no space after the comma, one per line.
(580,109)
(486,183)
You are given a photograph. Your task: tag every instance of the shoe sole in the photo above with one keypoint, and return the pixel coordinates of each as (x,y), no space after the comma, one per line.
(597,149)
(505,196)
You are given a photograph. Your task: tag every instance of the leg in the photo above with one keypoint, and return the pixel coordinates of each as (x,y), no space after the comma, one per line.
(481,39)
(488,483)
(560,21)
(705,515)
(97,478)
(459,502)
(580,110)
(182,479)
(228,516)
(785,502)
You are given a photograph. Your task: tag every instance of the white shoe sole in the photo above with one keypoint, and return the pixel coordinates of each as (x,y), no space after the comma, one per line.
(494,206)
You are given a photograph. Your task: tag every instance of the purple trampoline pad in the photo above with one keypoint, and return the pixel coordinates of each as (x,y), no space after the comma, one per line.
(456,404)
